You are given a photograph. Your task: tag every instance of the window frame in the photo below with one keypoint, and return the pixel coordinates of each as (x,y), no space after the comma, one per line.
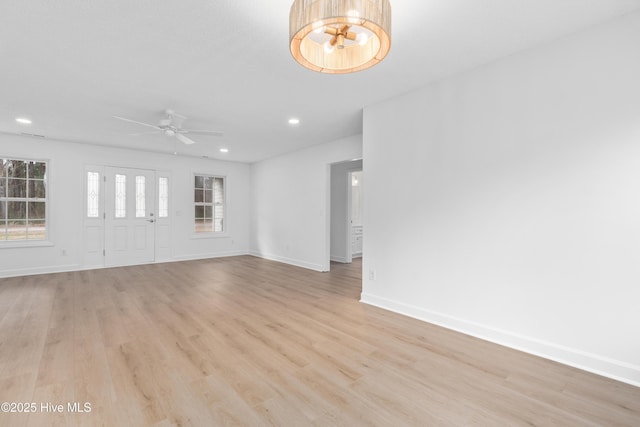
(46,240)
(225,222)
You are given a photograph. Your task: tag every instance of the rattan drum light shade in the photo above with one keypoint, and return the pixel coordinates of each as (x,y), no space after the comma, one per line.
(339,36)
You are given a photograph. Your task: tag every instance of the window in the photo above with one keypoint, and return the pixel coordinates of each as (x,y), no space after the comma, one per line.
(121,196)
(93,194)
(163,197)
(23,200)
(141,211)
(209,198)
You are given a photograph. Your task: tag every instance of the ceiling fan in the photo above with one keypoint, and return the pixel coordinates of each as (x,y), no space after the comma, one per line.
(171,125)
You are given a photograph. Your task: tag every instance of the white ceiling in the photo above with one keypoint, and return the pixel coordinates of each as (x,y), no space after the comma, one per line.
(70,65)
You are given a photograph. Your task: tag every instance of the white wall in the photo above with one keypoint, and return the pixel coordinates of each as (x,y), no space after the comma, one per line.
(340,220)
(508,205)
(290,203)
(66,202)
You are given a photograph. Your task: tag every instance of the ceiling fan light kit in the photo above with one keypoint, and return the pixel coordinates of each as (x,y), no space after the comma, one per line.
(339,36)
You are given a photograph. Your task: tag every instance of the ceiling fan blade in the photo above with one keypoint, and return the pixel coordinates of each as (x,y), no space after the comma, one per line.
(202,132)
(145,133)
(184,139)
(136,122)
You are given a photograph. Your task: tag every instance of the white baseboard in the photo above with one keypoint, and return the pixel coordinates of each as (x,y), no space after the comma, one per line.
(195,257)
(338,259)
(615,369)
(78,267)
(40,270)
(290,261)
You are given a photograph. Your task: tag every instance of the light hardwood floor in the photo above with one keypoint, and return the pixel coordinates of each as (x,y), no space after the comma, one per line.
(249,342)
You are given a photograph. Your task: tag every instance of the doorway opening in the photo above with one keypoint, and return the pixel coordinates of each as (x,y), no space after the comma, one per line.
(346,226)
(355,203)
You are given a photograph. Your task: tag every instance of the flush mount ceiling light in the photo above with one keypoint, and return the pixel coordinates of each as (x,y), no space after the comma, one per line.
(294,121)
(23,120)
(339,36)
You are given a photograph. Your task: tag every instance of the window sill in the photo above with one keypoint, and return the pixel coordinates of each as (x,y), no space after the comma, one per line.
(9,244)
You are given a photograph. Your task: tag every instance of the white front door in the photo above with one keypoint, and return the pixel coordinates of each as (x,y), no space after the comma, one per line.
(129,216)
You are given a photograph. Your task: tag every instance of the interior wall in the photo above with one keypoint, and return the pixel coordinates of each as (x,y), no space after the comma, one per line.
(340,220)
(290,203)
(508,206)
(66,202)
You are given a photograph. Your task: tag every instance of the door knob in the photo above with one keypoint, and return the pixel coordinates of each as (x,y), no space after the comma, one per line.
(149,220)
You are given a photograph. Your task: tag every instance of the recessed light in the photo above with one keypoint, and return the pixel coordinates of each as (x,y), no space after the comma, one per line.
(23,120)
(294,121)
(224,150)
